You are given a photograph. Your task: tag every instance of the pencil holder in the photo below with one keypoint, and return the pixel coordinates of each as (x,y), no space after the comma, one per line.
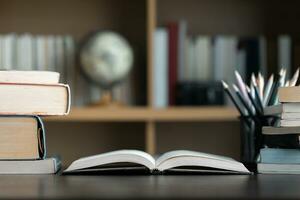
(252,139)
(249,134)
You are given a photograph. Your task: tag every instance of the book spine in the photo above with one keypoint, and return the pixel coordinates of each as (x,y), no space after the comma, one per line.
(173,60)
(160,79)
(42,137)
(284,44)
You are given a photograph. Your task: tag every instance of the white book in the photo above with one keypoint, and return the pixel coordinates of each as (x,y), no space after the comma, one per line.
(180,161)
(46,166)
(160,70)
(284,53)
(225,58)
(203,58)
(59,57)
(50,63)
(9,51)
(70,49)
(41,51)
(190,60)
(24,49)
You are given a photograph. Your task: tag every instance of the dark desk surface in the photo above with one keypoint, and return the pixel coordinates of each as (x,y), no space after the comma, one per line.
(150,187)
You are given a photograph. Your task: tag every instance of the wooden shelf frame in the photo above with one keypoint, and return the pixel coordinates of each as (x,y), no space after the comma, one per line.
(146,114)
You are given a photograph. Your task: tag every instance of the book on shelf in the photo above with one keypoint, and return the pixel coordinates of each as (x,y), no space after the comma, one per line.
(180,161)
(182,35)
(193,93)
(160,69)
(252,60)
(284,44)
(225,57)
(203,58)
(44,166)
(172,60)
(22,137)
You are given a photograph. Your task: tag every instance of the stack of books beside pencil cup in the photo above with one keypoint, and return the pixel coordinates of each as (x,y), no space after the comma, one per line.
(283,157)
(25,96)
(251,101)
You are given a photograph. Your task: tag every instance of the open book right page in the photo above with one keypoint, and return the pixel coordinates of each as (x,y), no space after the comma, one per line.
(183,158)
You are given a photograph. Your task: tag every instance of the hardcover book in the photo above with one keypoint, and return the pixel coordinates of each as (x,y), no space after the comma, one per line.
(34,99)
(22,137)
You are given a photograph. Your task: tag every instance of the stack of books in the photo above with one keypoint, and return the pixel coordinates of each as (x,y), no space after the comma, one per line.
(283,157)
(25,96)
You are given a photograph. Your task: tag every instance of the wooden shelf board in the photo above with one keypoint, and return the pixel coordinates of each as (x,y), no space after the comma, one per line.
(142,114)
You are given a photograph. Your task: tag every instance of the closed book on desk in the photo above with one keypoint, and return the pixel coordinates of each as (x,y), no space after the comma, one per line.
(22,137)
(279,156)
(34,99)
(266,168)
(44,166)
(180,161)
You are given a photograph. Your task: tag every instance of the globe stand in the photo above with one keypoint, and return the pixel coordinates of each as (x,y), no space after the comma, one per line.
(106,101)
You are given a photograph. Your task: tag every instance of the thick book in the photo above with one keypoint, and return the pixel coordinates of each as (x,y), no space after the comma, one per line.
(289,94)
(30,77)
(279,156)
(284,109)
(22,137)
(44,166)
(266,168)
(34,99)
(174,161)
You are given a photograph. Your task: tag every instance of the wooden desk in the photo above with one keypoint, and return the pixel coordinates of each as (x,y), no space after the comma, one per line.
(150,187)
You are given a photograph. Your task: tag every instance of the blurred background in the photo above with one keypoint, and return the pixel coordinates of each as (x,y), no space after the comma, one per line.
(171,97)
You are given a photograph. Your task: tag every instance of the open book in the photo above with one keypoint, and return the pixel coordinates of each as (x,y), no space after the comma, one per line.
(174,161)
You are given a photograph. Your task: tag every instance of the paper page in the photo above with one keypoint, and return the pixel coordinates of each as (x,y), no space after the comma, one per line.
(120,156)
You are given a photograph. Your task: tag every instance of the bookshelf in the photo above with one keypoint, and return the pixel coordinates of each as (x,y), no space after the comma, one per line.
(137,20)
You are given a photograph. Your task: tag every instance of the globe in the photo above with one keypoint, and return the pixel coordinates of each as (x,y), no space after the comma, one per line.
(106,58)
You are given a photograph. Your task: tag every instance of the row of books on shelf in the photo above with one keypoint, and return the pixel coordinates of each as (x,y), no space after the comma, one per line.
(284,157)
(54,53)
(183,61)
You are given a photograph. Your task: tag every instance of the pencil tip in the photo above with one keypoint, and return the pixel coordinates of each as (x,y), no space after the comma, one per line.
(225,85)
(235,87)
